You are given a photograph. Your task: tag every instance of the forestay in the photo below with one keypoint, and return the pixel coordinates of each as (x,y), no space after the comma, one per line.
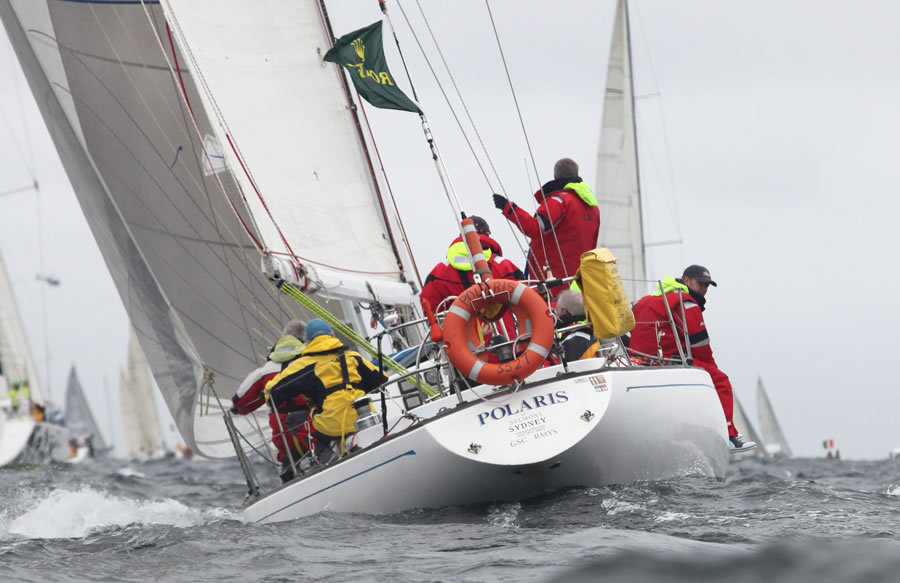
(618,183)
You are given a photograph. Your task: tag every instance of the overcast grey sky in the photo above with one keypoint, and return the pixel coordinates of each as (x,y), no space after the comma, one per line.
(767,133)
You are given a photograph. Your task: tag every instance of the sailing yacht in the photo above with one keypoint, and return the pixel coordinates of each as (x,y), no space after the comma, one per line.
(769,429)
(25,438)
(742,421)
(140,419)
(200,195)
(85,434)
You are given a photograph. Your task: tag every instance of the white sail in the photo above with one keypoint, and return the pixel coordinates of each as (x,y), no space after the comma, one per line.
(742,423)
(618,182)
(144,140)
(143,414)
(308,159)
(79,419)
(130,424)
(769,428)
(15,355)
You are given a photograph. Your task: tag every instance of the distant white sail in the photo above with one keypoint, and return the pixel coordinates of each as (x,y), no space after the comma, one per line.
(743,425)
(15,355)
(140,418)
(618,182)
(769,428)
(172,120)
(79,419)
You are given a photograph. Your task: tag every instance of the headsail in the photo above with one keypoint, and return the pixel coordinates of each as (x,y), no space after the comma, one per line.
(618,183)
(79,419)
(181,152)
(769,428)
(15,355)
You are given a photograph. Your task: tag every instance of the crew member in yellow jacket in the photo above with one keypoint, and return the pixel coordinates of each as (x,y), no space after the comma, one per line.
(331,376)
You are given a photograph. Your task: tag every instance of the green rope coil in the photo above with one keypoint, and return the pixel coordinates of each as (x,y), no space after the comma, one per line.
(348,332)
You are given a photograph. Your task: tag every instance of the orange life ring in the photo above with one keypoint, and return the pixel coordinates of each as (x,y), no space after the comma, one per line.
(520,298)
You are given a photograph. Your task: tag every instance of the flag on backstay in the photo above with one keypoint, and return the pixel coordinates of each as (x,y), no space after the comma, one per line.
(361,52)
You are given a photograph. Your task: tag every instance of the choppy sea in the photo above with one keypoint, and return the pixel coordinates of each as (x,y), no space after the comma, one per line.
(180,520)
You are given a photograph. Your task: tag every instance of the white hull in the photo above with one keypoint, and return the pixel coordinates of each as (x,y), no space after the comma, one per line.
(26,441)
(590,428)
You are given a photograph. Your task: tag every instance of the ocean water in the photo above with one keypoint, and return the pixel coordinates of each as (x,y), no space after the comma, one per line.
(176,520)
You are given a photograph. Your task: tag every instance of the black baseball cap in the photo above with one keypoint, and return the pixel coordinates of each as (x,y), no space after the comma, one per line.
(699,273)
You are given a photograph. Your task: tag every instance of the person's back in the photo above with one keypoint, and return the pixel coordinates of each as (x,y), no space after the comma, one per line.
(565,225)
(331,376)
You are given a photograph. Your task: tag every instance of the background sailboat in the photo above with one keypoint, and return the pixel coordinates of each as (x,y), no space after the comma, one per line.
(742,422)
(769,429)
(23,439)
(80,420)
(618,174)
(140,419)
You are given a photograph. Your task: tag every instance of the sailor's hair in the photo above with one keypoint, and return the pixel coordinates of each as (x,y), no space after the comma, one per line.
(296,328)
(571,301)
(564,168)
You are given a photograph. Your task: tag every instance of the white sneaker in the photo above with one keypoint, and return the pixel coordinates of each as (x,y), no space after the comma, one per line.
(737,444)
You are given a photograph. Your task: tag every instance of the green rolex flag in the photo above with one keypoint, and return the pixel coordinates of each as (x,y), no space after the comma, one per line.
(362,54)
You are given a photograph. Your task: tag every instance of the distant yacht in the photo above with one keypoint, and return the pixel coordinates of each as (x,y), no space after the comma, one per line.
(140,419)
(742,422)
(86,437)
(769,429)
(25,437)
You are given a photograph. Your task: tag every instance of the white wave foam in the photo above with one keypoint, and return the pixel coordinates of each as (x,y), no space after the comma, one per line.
(893,490)
(671,517)
(505,515)
(68,514)
(129,472)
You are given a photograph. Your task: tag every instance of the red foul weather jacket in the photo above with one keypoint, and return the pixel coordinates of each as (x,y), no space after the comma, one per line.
(570,207)
(652,321)
(454,275)
(250,397)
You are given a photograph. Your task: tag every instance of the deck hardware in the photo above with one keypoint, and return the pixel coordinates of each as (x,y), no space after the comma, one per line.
(474,448)
(587,415)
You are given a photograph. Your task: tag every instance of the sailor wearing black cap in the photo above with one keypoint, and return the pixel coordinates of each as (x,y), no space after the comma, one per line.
(652,333)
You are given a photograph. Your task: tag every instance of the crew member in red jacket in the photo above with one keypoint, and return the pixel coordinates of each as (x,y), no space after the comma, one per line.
(454,275)
(565,225)
(652,323)
(249,397)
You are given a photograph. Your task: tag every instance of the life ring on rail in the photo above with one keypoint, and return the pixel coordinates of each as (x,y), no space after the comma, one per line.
(523,300)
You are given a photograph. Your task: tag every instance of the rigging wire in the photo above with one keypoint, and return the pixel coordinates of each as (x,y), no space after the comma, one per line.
(468,116)
(665,139)
(527,141)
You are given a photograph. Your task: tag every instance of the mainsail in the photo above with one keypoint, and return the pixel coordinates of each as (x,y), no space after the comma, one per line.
(15,355)
(79,418)
(181,127)
(769,428)
(618,182)
(140,419)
